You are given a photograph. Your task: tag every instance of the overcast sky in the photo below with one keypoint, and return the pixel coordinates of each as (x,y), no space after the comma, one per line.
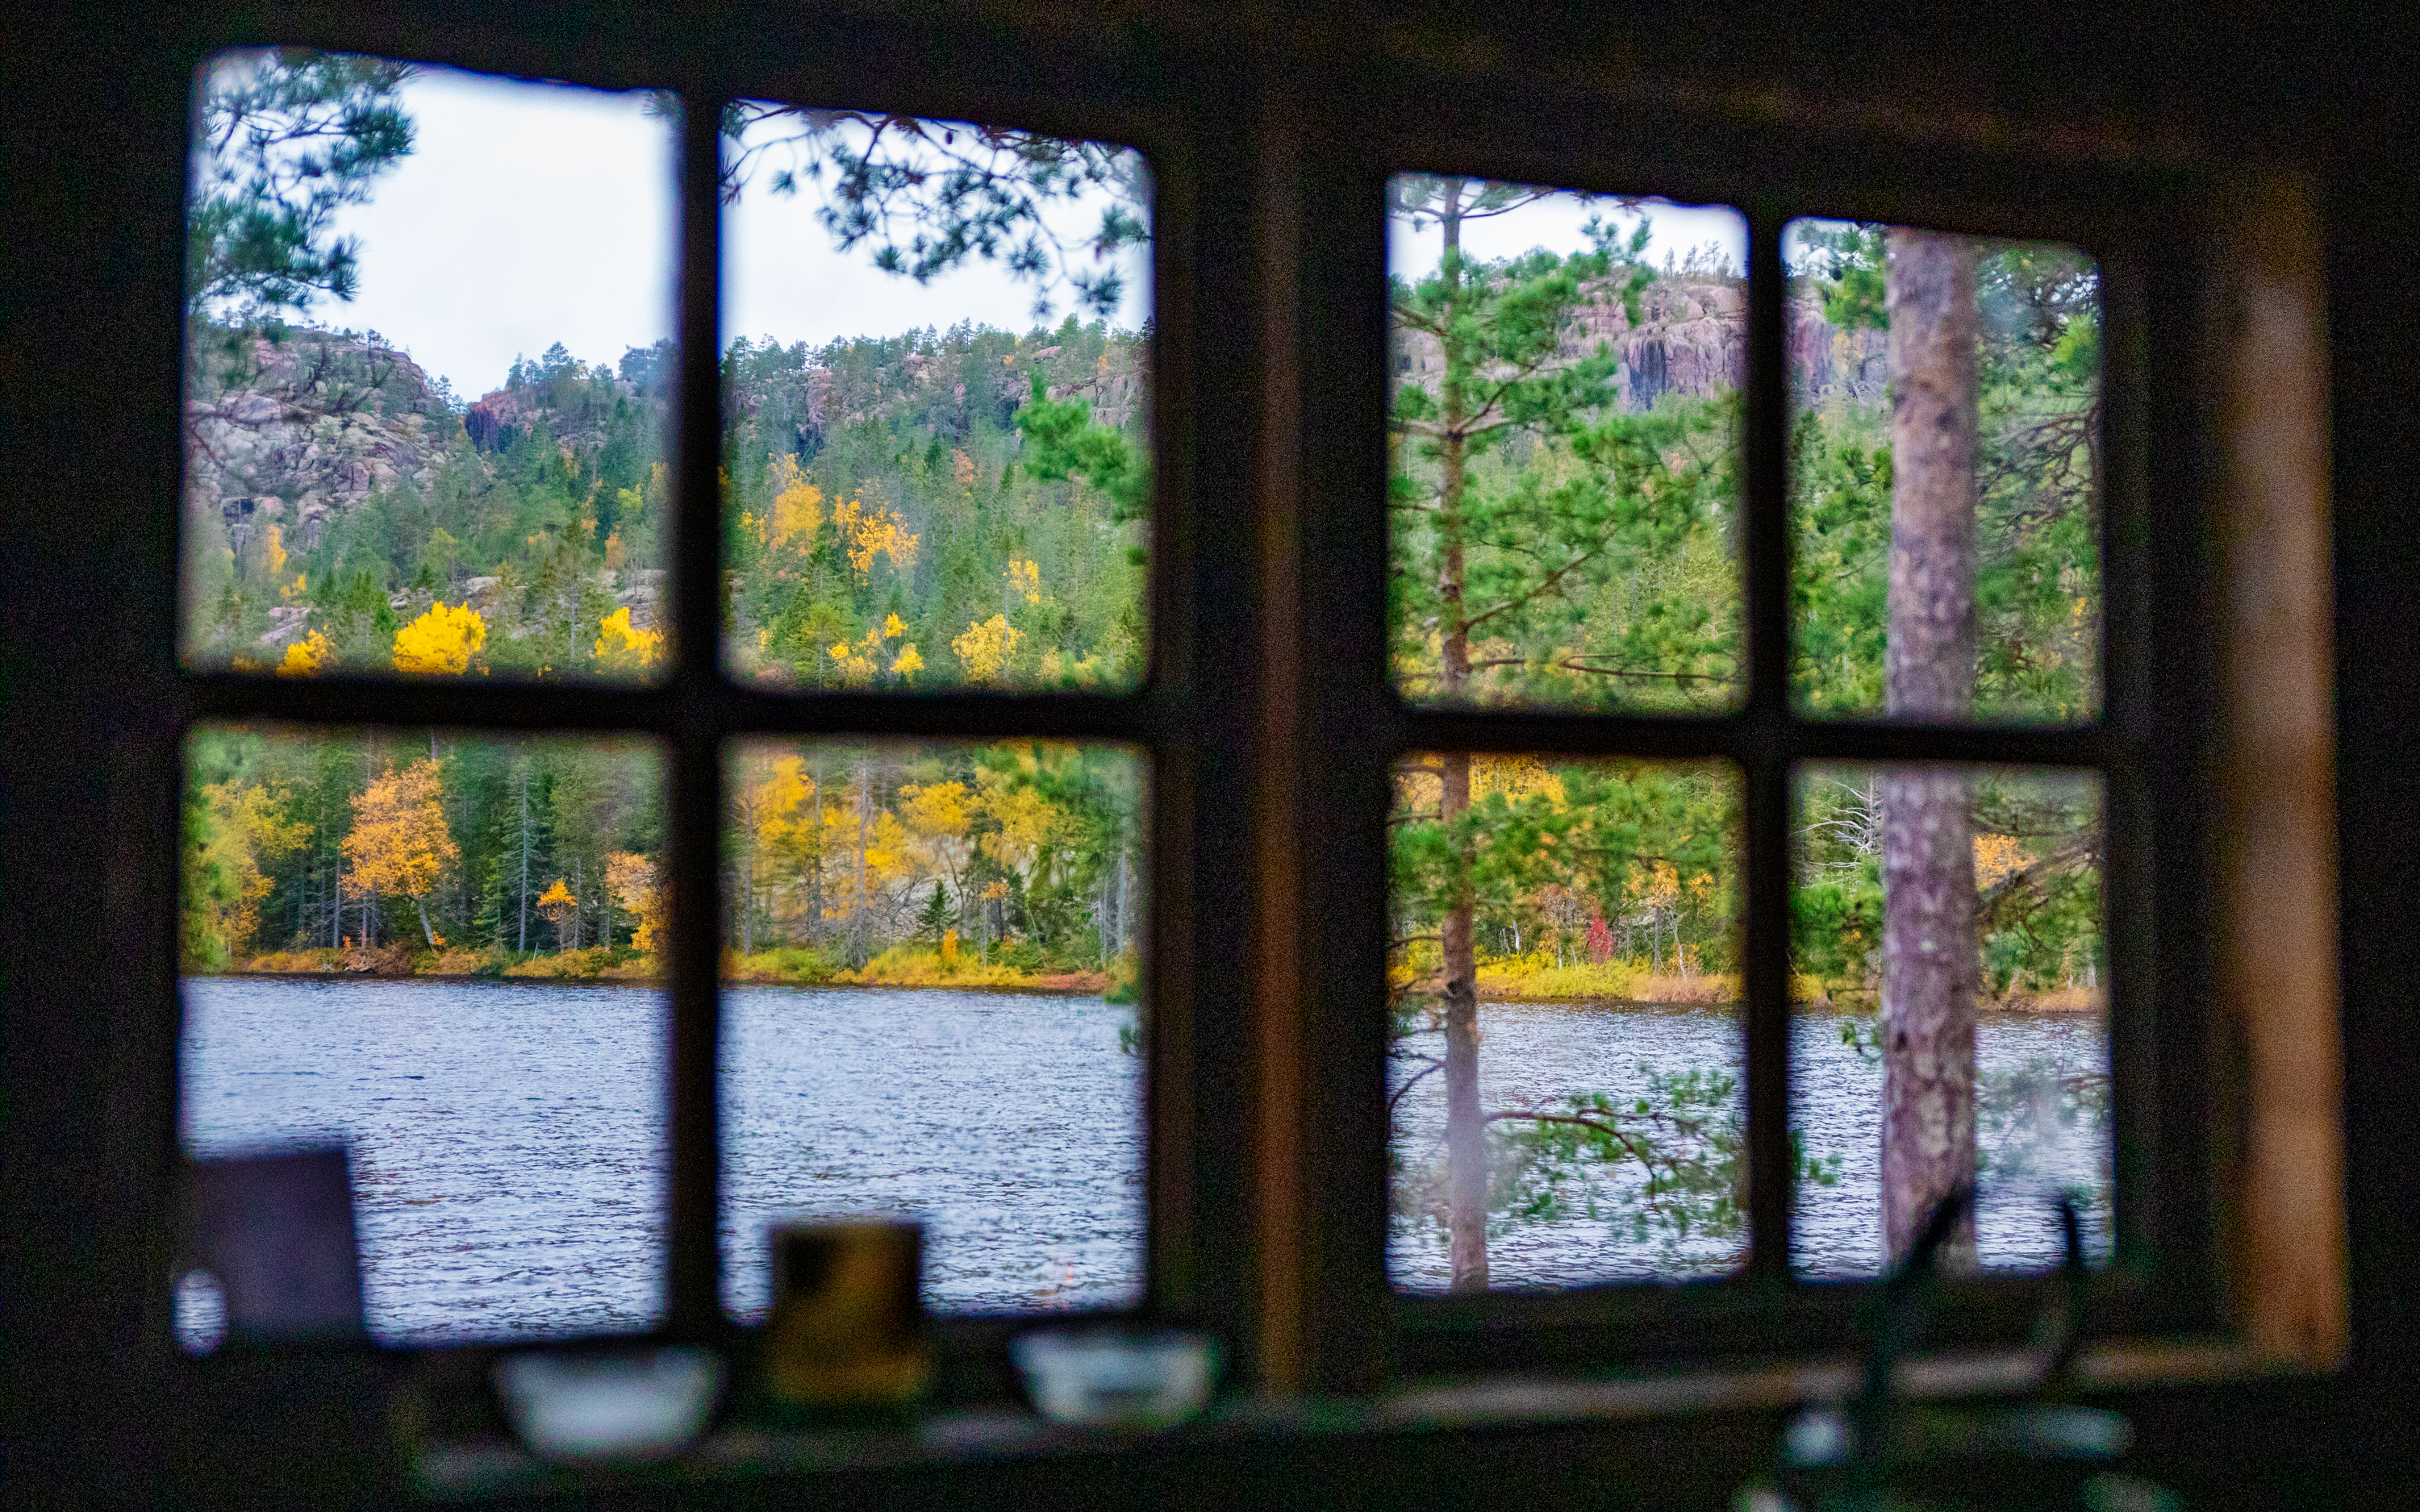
(529,214)
(1557,224)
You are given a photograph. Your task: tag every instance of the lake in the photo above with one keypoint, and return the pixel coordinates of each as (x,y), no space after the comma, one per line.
(509,1166)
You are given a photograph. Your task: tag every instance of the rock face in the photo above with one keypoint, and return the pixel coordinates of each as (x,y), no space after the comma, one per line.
(292,430)
(1691,339)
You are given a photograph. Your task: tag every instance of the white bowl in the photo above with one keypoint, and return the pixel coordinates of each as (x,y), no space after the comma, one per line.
(586,1406)
(1115,1377)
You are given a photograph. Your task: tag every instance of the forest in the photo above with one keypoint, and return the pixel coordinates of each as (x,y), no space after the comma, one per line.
(1565,496)
(969,507)
(908,512)
(1015,864)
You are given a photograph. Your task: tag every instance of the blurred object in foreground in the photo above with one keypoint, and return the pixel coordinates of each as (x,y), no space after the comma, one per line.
(276,1233)
(576,1406)
(847,1328)
(1877,1451)
(1148,1379)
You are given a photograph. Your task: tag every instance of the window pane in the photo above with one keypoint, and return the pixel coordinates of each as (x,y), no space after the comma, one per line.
(1565,443)
(933,1012)
(434,949)
(937,427)
(1580,1118)
(1952,1020)
(1946,551)
(428,372)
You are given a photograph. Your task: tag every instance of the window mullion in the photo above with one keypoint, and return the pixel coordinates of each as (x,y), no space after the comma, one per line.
(1766,545)
(694,802)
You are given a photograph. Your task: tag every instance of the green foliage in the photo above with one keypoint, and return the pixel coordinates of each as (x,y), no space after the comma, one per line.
(1847,264)
(286,139)
(585,800)
(1021,508)
(1598,563)
(929,196)
(2038,580)
(1062,442)
(1668,1165)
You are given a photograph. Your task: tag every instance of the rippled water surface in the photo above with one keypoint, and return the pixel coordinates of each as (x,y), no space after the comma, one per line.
(509,1150)
(1543,1051)
(507,1142)
(510,1171)
(1010,1122)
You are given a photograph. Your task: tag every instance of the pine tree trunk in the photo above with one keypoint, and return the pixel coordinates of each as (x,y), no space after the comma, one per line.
(1928,951)
(1465,1121)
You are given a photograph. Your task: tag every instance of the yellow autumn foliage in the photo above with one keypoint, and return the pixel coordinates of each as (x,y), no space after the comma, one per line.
(1997,858)
(986,648)
(399,846)
(622,647)
(1026,578)
(308,657)
(632,880)
(873,532)
(798,506)
(441,642)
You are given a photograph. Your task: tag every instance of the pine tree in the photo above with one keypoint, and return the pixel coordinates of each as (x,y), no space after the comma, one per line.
(1507,553)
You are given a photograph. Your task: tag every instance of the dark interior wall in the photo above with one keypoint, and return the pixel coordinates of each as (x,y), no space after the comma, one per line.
(91,140)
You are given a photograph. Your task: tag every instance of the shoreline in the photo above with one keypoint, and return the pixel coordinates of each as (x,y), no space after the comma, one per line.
(2029,1005)
(650,983)
(2025,1004)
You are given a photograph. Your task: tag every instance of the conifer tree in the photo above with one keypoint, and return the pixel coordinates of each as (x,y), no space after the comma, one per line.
(1480,555)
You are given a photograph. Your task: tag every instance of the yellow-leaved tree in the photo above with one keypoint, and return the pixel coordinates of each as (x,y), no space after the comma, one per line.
(1024,579)
(777,840)
(399,846)
(308,657)
(870,838)
(632,879)
(941,818)
(986,648)
(871,532)
(798,506)
(624,648)
(441,642)
(229,834)
(557,904)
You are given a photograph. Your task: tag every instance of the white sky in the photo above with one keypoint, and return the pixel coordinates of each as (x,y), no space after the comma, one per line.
(529,214)
(1555,223)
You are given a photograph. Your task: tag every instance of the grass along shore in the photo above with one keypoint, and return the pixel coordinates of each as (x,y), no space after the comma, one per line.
(1535,979)
(1539,978)
(909,967)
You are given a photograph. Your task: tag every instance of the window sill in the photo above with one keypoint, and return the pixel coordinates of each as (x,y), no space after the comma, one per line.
(483,1469)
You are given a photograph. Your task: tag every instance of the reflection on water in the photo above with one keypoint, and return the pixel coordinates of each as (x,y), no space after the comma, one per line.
(508,1141)
(2027,1159)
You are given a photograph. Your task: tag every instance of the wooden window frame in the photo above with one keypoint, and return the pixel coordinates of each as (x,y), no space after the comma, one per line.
(1267,716)
(2224,1058)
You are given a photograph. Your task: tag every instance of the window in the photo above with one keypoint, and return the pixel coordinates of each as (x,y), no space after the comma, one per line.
(914,502)
(1570,530)
(1273,721)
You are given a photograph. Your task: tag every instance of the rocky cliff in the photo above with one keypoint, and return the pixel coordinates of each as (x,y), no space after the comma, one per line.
(293,428)
(1691,339)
